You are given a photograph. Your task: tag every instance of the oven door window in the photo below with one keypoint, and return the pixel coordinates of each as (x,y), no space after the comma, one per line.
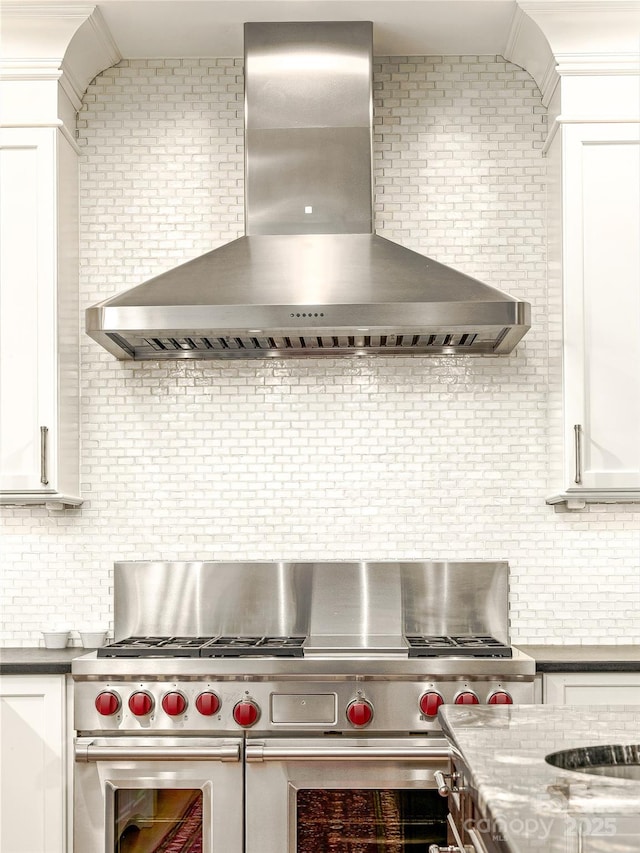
(369,820)
(158,820)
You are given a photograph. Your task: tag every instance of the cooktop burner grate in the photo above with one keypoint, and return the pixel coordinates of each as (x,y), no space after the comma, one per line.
(221,646)
(469,645)
(240,646)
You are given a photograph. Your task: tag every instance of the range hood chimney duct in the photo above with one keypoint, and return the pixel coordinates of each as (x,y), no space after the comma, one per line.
(310,278)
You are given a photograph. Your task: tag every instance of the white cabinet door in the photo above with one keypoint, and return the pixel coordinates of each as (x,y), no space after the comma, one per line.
(39,438)
(591,688)
(27,308)
(33,766)
(602,322)
(599,214)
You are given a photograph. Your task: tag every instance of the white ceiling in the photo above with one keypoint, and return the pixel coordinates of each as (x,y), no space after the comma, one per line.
(172,28)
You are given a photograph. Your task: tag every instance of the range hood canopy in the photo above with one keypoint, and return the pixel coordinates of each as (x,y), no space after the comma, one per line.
(310,278)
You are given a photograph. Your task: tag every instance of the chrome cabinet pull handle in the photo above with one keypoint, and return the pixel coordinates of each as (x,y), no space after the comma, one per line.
(577,443)
(44,479)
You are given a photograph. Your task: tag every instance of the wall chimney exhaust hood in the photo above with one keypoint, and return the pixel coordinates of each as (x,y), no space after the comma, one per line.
(310,278)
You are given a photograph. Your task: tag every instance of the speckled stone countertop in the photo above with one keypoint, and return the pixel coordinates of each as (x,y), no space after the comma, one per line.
(584,658)
(532,807)
(38,661)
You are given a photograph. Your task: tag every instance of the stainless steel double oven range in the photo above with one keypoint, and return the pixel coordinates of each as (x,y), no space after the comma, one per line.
(284,707)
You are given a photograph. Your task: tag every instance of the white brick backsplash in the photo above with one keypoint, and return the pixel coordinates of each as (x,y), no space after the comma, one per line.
(378,458)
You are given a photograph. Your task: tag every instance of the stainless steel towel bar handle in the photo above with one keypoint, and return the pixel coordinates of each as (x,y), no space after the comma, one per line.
(220,752)
(264,752)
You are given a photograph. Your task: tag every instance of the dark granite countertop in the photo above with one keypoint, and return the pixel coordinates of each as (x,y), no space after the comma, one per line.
(38,661)
(41,661)
(584,658)
(533,807)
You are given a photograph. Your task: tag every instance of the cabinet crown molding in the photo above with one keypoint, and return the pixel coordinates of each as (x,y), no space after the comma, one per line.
(586,28)
(56,41)
(589,64)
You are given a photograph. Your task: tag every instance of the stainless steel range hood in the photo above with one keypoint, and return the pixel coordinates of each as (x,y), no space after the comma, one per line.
(311,278)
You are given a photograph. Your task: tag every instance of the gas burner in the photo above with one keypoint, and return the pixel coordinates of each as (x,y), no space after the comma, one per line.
(470,645)
(242,646)
(221,646)
(138,647)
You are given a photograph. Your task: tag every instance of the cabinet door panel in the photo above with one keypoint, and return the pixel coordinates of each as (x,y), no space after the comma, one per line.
(600,216)
(27,311)
(602,688)
(611,182)
(32,771)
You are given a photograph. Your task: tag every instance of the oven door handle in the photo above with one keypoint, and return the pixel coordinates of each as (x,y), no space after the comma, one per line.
(260,751)
(89,751)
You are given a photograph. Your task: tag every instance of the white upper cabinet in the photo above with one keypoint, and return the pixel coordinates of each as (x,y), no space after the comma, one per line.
(603,326)
(595,206)
(49,55)
(39,370)
(587,63)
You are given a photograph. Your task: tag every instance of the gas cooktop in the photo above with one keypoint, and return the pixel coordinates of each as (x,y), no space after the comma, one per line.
(204,647)
(469,645)
(235,646)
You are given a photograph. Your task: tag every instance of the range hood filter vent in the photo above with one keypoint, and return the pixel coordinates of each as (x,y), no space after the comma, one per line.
(318,345)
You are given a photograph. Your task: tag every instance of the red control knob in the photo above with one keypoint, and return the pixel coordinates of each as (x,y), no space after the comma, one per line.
(467,698)
(500,697)
(359,712)
(246,713)
(107,703)
(174,704)
(141,703)
(208,704)
(430,702)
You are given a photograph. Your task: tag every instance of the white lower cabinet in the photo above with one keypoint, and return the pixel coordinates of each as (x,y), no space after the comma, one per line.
(33,765)
(537,689)
(591,688)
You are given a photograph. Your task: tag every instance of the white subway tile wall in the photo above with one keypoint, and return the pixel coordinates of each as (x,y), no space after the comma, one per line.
(409,457)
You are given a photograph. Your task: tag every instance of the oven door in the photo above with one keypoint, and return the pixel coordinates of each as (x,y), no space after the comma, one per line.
(158,795)
(344,794)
